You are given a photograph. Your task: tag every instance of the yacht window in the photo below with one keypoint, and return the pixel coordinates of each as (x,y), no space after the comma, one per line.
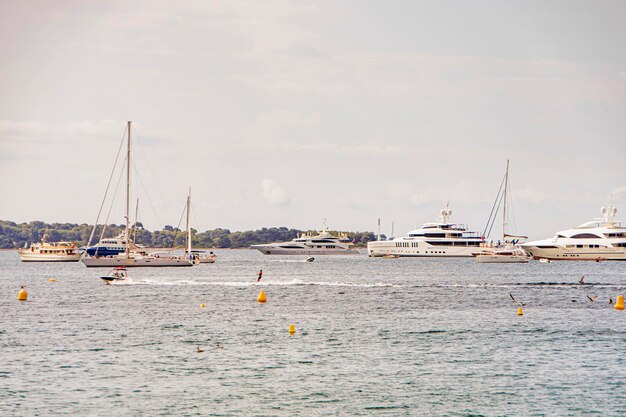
(585,236)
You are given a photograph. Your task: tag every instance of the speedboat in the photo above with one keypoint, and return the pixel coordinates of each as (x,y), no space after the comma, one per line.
(441,238)
(321,244)
(603,239)
(115,275)
(309,259)
(49,252)
(204,258)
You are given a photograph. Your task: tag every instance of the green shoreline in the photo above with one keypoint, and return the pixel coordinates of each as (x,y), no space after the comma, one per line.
(15,235)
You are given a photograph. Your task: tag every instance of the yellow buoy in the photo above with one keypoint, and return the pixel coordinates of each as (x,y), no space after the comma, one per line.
(619,304)
(202,305)
(52,280)
(292,329)
(22,295)
(520,312)
(261,298)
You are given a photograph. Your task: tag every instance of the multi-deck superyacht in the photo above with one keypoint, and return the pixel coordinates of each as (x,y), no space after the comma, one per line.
(603,239)
(321,244)
(437,239)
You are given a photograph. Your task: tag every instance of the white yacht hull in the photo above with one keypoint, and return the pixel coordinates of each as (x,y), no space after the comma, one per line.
(135,262)
(273,250)
(28,256)
(501,259)
(422,249)
(571,254)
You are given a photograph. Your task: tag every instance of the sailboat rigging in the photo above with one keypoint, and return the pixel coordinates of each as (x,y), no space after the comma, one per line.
(130,254)
(507,251)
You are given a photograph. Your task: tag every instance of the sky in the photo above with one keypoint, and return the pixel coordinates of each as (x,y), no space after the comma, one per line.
(284,113)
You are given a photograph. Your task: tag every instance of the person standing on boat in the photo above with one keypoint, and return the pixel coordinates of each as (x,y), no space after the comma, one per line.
(260,275)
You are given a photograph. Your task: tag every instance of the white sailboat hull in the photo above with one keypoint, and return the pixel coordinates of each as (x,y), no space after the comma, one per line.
(135,262)
(495,259)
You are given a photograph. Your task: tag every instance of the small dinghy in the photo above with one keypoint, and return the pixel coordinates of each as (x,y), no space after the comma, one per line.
(309,259)
(116,274)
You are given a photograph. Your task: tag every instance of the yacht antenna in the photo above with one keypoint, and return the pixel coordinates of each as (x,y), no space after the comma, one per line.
(128,192)
(379,229)
(392,222)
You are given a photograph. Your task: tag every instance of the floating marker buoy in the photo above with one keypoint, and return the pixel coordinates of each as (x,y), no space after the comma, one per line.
(619,304)
(520,312)
(52,280)
(22,295)
(261,298)
(202,305)
(292,329)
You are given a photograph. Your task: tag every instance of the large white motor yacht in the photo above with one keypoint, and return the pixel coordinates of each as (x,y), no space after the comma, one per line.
(437,239)
(321,244)
(602,239)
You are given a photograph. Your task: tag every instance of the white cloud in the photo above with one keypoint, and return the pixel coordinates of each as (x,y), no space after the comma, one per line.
(274,193)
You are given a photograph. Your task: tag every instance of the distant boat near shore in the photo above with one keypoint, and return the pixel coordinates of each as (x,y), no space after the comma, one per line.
(49,252)
(324,243)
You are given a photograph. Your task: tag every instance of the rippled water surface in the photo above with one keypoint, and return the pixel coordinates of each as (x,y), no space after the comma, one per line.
(373,337)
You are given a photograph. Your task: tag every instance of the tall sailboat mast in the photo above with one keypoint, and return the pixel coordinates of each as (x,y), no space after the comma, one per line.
(188,229)
(127,234)
(506,186)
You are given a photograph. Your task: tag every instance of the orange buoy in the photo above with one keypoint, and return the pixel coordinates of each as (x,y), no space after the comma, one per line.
(292,329)
(520,312)
(619,304)
(22,295)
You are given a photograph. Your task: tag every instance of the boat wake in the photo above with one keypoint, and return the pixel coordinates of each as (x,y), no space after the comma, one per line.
(523,284)
(293,282)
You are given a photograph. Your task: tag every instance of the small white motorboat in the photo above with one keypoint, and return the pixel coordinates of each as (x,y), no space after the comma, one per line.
(309,259)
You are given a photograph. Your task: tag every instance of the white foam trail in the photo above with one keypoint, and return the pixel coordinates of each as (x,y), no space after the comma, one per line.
(294,281)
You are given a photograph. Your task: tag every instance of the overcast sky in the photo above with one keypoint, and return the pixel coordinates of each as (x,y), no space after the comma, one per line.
(285,113)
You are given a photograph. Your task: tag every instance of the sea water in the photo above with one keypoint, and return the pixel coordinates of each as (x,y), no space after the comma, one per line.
(390,337)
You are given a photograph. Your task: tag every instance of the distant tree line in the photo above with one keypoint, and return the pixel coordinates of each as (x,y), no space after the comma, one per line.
(13,235)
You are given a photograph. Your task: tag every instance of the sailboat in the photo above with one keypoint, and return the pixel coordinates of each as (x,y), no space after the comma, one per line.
(133,255)
(508,251)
